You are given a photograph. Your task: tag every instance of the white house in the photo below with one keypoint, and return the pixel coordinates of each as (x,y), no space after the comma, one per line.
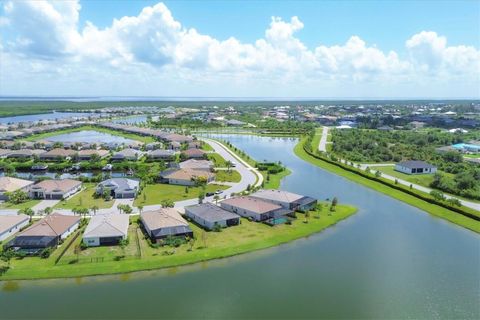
(108,229)
(9,225)
(209,215)
(415,167)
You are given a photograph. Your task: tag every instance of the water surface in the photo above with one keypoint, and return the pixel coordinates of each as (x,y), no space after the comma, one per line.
(89,136)
(44,116)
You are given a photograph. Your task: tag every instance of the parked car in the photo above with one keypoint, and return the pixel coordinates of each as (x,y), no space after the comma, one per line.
(209,194)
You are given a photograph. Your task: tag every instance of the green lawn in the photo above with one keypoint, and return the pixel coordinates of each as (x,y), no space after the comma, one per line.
(248,236)
(155,193)
(422,179)
(206,147)
(397,194)
(23,205)
(274,180)
(132,136)
(228,176)
(218,160)
(85,199)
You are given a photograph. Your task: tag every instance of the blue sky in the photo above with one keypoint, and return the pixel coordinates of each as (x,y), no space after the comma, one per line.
(233,48)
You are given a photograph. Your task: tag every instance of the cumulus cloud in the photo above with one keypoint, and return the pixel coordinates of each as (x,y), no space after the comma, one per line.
(47,33)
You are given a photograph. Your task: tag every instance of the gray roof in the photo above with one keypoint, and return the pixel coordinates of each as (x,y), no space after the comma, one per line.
(119,184)
(415,164)
(108,225)
(161,153)
(210,212)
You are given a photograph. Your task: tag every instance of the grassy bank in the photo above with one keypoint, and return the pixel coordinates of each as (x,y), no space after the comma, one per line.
(246,237)
(274,180)
(433,209)
(131,136)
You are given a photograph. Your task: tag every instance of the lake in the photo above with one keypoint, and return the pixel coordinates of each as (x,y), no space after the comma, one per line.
(390,260)
(89,136)
(44,116)
(130,120)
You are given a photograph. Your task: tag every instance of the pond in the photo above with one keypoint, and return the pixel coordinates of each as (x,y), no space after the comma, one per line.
(89,136)
(44,116)
(390,260)
(130,120)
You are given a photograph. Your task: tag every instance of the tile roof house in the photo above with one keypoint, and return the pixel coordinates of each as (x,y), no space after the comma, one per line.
(415,167)
(254,208)
(164,222)
(88,154)
(119,187)
(5,152)
(11,224)
(55,189)
(127,154)
(177,138)
(194,153)
(45,233)
(161,154)
(57,154)
(209,215)
(288,200)
(185,177)
(204,165)
(10,184)
(108,229)
(25,153)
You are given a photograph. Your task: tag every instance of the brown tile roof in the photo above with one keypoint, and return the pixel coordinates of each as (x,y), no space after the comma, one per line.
(8,222)
(9,184)
(54,224)
(194,152)
(187,174)
(63,185)
(59,152)
(162,218)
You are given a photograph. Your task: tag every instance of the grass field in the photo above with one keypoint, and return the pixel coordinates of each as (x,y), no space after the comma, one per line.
(23,205)
(85,199)
(274,180)
(433,209)
(422,179)
(155,193)
(248,236)
(131,136)
(218,160)
(228,176)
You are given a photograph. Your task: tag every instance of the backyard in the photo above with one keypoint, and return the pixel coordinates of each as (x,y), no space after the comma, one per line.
(85,199)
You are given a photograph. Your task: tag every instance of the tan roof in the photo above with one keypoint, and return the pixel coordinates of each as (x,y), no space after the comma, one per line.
(194,152)
(107,225)
(163,218)
(59,152)
(54,224)
(196,164)
(89,152)
(8,222)
(63,185)
(9,184)
(277,195)
(188,174)
(252,204)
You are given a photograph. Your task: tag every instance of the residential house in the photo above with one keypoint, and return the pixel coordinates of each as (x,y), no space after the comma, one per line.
(288,200)
(254,208)
(4,153)
(89,154)
(55,189)
(106,229)
(46,233)
(415,167)
(185,177)
(127,154)
(121,188)
(10,184)
(57,154)
(161,154)
(164,222)
(209,215)
(194,154)
(25,153)
(11,224)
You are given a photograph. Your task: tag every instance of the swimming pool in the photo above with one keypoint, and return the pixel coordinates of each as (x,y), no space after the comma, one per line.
(467,147)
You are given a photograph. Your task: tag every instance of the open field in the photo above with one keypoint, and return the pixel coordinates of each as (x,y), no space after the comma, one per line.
(433,209)
(248,236)
(155,193)
(217,160)
(85,199)
(23,205)
(274,180)
(228,176)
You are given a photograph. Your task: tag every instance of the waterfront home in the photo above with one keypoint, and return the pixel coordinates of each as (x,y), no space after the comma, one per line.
(164,222)
(194,154)
(175,145)
(193,164)
(185,177)
(415,167)
(127,154)
(46,233)
(10,184)
(55,189)
(25,153)
(209,215)
(161,154)
(88,154)
(11,224)
(121,188)
(106,229)
(178,138)
(194,145)
(254,208)
(288,200)
(57,154)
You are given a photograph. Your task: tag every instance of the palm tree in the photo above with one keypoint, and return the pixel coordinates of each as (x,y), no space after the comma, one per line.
(48,210)
(94,208)
(120,208)
(140,209)
(28,211)
(216,198)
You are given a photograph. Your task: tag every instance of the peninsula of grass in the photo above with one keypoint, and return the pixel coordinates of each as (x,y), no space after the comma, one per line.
(19,206)
(132,136)
(228,176)
(273,181)
(432,209)
(85,199)
(246,237)
(155,193)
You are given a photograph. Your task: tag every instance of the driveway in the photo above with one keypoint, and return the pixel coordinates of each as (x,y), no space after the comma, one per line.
(322,146)
(44,204)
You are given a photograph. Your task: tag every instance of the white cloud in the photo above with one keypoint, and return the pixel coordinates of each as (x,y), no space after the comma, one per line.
(44,37)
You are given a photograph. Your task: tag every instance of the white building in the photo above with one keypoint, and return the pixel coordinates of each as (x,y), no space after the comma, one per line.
(9,225)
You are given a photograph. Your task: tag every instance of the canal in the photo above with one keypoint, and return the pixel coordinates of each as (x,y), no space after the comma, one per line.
(390,260)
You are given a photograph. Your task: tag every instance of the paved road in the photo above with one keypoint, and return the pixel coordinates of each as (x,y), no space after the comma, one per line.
(363,166)
(322,146)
